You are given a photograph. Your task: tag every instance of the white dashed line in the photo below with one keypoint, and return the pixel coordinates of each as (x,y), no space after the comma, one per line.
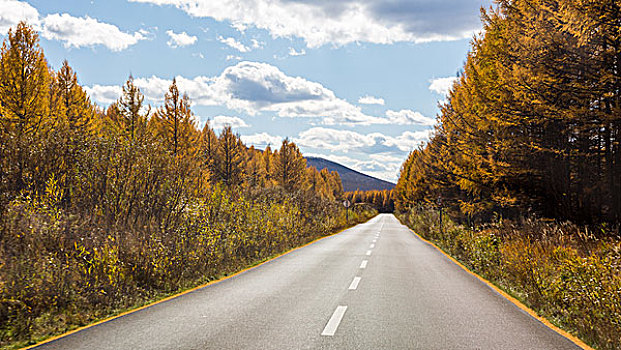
(335,321)
(364,263)
(372,246)
(368,252)
(354,283)
(375,240)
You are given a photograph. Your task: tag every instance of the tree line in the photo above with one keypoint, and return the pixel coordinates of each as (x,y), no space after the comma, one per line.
(104,209)
(381,200)
(533,122)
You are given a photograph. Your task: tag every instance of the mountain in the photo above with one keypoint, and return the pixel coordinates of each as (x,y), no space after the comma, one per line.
(352,180)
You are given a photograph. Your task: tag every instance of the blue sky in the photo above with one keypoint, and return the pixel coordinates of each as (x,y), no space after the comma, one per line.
(354,81)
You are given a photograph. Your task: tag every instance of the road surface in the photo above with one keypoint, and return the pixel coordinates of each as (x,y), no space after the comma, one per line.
(374,286)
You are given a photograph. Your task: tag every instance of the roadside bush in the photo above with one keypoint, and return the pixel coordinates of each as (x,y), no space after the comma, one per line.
(559,269)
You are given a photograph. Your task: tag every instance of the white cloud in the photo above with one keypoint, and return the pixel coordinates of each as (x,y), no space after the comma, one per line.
(350,141)
(257,44)
(442,86)
(79,32)
(180,39)
(370,100)
(262,140)
(233,58)
(344,22)
(255,88)
(104,94)
(408,117)
(334,140)
(386,157)
(220,121)
(72,31)
(12,12)
(293,52)
(409,140)
(231,42)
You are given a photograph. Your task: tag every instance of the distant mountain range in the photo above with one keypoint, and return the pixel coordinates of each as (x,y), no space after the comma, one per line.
(352,180)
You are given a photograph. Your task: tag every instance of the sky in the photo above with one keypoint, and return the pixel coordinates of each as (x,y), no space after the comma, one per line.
(354,81)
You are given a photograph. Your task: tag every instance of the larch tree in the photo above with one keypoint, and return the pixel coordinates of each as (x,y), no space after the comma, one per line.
(289,167)
(174,123)
(72,103)
(129,117)
(227,166)
(24,82)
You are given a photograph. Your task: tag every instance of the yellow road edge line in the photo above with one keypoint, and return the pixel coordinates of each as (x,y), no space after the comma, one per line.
(513,300)
(66,334)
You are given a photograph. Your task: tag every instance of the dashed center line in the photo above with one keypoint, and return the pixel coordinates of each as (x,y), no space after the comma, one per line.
(354,283)
(368,252)
(372,246)
(335,321)
(375,240)
(364,263)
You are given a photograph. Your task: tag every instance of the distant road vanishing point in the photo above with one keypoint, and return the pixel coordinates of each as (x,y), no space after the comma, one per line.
(374,286)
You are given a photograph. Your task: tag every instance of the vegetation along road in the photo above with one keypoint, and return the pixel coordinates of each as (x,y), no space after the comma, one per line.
(374,286)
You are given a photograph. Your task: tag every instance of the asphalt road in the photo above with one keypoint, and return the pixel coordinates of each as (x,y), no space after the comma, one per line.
(374,286)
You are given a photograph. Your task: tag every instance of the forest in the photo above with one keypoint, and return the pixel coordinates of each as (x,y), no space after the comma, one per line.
(524,166)
(102,210)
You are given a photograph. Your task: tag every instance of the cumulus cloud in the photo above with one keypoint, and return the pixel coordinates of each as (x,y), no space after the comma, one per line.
(12,12)
(220,121)
(72,31)
(343,22)
(262,140)
(253,88)
(370,100)
(408,117)
(104,94)
(350,141)
(180,39)
(442,86)
(87,31)
(231,42)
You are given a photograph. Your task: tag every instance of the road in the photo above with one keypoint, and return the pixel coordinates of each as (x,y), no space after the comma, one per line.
(374,286)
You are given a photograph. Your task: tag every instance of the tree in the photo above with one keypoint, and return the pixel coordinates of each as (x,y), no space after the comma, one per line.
(126,114)
(174,123)
(24,107)
(289,168)
(72,104)
(24,82)
(227,166)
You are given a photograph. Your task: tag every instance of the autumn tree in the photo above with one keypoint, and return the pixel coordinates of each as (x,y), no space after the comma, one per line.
(24,105)
(127,115)
(174,123)
(227,166)
(289,166)
(71,102)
